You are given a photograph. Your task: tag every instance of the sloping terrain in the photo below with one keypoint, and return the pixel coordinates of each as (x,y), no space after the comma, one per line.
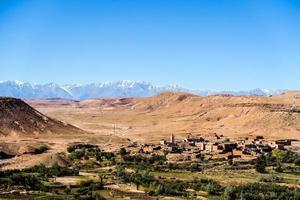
(19,119)
(153,118)
(229,115)
(27,161)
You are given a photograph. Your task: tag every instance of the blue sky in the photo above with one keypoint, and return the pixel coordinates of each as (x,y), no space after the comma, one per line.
(203,44)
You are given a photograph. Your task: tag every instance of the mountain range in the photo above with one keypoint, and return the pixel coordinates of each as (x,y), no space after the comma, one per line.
(120,89)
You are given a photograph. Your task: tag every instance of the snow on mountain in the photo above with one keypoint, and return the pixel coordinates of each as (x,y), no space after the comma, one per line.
(118,89)
(254,92)
(26,90)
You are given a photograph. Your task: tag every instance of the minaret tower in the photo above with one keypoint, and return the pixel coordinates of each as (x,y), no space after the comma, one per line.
(172,139)
(294,106)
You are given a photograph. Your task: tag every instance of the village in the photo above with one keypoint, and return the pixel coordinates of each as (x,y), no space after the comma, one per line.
(196,147)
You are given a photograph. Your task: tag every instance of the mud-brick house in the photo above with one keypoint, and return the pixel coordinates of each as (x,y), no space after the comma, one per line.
(237,152)
(264,148)
(200,145)
(228,147)
(214,147)
(284,142)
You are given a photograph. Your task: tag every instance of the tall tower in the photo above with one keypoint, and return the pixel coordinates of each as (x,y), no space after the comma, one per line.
(172,139)
(294,106)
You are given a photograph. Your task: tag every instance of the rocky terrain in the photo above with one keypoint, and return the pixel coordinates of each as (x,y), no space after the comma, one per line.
(153,118)
(19,119)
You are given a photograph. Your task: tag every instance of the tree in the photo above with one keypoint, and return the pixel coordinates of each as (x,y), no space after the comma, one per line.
(194,167)
(159,189)
(230,162)
(121,173)
(213,188)
(278,154)
(41,149)
(229,193)
(123,152)
(260,164)
(297,161)
(278,168)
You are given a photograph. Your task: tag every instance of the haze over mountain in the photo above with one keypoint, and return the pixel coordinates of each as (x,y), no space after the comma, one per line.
(118,89)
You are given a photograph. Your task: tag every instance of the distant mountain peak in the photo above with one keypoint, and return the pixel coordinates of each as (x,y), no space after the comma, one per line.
(118,89)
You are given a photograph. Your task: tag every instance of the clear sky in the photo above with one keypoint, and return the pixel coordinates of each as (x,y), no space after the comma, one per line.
(199,44)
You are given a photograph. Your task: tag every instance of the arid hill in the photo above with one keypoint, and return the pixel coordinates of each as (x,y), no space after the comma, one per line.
(24,131)
(157,117)
(17,118)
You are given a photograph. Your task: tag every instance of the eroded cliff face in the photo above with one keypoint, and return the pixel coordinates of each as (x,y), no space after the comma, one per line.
(17,118)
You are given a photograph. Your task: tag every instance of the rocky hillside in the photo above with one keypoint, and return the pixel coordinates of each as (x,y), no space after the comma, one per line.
(19,119)
(224,114)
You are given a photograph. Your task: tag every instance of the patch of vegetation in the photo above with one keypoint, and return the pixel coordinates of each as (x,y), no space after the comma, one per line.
(41,149)
(285,156)
(270,179)
(25,181)
(260,191)
(158,178)
(143,160)
(166,187)
(32,178)
(297,161)
(54,171)
(83,151)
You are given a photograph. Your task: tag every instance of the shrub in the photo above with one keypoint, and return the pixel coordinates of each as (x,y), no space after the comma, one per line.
(77,155)
(85,183)
(270,179)
(260,191)
(27,181)
(123,152)
(213,189)
(41,149)
(278,168)
(159,189)
(297,161)
(285,156)
(55,170)
(90,164)
(194,167)
(84,151)
(229,193)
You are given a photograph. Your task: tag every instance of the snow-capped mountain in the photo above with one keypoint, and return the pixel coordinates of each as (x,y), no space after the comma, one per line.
(26,90)
(118,89)
(254,92)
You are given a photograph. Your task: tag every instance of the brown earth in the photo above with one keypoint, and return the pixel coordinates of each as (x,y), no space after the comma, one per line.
(111,122)
(23,130)
(153,118)
(27,160)
(18,119)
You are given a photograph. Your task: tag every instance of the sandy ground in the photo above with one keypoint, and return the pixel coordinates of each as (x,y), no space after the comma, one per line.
(151,119)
